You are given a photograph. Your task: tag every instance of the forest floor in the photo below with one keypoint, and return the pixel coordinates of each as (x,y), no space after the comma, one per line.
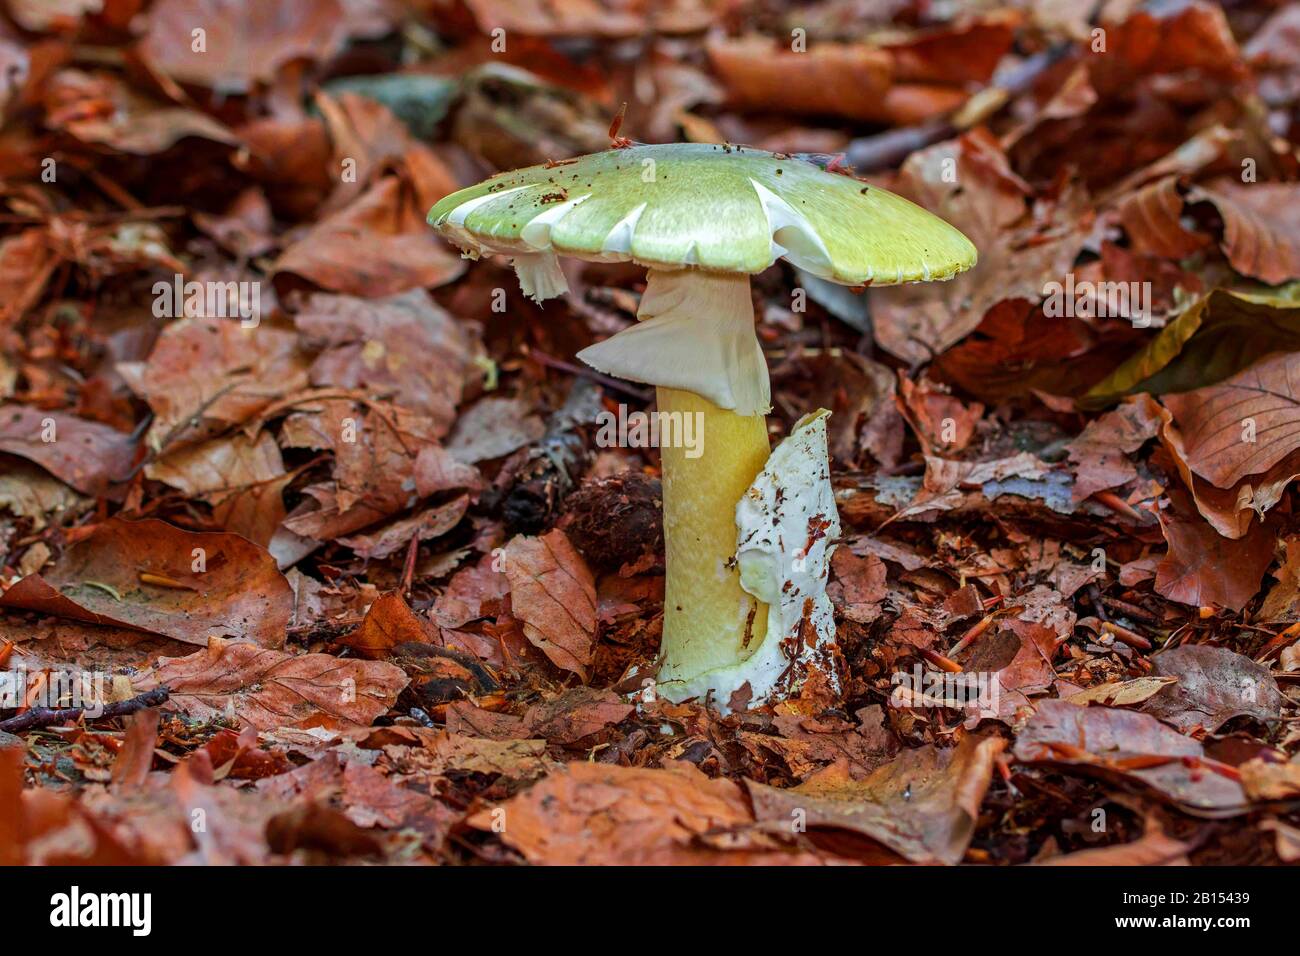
(316,510)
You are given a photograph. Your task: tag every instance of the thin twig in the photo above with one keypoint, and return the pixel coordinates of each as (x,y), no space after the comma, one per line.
(561,366)
(47,717)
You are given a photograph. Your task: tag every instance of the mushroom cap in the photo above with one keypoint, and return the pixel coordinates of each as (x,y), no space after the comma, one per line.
(715,207)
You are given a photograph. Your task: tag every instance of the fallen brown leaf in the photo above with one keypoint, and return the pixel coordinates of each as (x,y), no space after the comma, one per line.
(270,689)
(554,595)
(1125,745)
(230,585)
(1214,685)
(922,806)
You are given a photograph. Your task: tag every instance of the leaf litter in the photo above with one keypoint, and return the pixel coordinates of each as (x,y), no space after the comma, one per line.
(357,528)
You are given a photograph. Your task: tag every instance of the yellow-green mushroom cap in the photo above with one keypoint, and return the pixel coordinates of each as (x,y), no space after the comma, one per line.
(713,207)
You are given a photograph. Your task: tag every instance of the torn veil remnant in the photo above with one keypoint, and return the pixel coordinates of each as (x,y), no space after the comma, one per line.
(703,218)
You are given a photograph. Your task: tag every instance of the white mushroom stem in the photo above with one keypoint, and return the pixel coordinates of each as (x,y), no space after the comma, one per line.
(696,343)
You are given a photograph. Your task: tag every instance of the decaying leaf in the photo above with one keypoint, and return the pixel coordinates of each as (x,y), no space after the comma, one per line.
(588,814)
(1213,685)
(268,689)
(554,595)
(154,577)
(922,806)
(1126,745)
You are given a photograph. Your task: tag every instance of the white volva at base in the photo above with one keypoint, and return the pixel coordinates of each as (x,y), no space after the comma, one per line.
(787,526)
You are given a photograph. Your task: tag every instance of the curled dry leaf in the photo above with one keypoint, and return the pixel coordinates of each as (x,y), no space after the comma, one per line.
(1127,745)
(405,346)
(244,44)
(942,423)
(1204,569)
(1282,603)
(101,109)
(268,689)
(590,814)
(1214,685)
(553,593)
(205,375)
(1261,226)
(1243,426)
(1100,452)
(152,576)
(87,455)
(1152,217)
(922,806)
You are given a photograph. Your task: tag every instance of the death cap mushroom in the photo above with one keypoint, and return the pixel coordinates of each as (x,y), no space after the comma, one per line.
(714,207)
(748,533)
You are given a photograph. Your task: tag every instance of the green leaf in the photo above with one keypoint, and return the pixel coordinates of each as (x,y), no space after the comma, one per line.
(1215,338)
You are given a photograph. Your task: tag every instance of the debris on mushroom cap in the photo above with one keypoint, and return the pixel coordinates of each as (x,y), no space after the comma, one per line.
(696,333)
(722,209)
(787,526)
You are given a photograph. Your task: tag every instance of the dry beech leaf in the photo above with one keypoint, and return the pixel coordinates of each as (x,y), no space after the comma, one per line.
(1242,426)
(89,456)
(553,593)
(1127,745)
(376,246)
(1152,217)
(405,345)
(224,464)
(1261,226)
(576,714)
(245,44)
(922,805)
(389,622)
(1267,780)
(238,591)
(26,263)
(591,814)
(843,79)
(601,18)
(1213,685)
(473,593)
(1100,453)
(1018,256)
(1205,569)
(268,689)
(205,375)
